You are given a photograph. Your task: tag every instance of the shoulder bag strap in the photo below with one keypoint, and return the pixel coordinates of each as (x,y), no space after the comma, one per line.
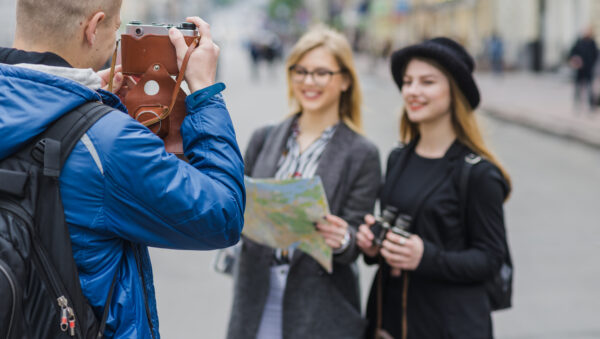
(470,160)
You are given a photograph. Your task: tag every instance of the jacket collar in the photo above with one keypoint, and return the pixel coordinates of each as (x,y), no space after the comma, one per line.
(13,56)
(84,76)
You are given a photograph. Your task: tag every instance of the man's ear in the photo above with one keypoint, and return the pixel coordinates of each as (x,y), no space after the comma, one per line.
(92,27)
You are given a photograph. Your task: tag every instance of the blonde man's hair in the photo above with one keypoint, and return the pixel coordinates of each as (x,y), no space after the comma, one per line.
(39,21)
(338,46)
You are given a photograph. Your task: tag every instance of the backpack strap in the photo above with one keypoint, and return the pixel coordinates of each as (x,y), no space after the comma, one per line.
(53,146)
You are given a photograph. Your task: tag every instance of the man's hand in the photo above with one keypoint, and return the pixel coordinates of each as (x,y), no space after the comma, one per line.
(202,65)
(117,80)
(576,62)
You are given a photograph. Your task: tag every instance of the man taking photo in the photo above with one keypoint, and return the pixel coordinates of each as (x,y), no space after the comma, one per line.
(120,189)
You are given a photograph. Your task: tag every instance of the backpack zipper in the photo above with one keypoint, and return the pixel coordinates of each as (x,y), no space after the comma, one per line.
(41,262)
(13,288)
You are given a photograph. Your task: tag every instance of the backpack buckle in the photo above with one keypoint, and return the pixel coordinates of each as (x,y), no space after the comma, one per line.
(47,152)
(37,152)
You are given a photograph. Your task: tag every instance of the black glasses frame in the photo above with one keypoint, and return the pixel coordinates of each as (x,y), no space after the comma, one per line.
(293,68)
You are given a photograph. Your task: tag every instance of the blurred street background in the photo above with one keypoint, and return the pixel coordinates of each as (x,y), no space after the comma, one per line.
(550,145)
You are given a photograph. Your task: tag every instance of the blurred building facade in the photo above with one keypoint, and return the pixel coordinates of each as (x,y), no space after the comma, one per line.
(8,18)
(164,11)
(537,34)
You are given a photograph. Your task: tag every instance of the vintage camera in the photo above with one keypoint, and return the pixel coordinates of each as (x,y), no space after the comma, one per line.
(401,223)
(151,94)
(143,46)
(138,29)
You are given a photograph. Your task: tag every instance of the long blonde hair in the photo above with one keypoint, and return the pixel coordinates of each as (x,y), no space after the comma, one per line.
(464,124)
(338,46)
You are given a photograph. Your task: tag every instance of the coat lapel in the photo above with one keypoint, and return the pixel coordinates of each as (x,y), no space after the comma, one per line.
(333,159)
(331,165)
(392,176)
(266,163)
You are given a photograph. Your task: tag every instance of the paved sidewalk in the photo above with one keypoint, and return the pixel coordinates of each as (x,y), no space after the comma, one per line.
(544,102)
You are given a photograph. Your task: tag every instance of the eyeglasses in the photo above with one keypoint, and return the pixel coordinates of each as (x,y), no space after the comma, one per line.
(320,76)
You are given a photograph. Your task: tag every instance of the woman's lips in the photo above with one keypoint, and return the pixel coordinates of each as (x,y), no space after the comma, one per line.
(415,106)
(311,95)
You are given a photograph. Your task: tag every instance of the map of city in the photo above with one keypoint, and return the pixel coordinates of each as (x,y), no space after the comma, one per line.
(280,213)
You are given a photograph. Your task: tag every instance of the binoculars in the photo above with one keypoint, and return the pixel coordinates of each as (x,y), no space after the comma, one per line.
(390,220)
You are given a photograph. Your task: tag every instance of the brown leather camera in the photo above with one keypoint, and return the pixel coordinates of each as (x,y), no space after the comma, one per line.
(150,93)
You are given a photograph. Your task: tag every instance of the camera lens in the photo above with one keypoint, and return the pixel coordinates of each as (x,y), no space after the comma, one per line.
(139,31)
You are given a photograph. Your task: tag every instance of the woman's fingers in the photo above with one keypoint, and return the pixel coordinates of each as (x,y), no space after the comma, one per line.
(364,239)
(365,230)
(335,220)
(407,256)
(333,243)
(398,239)
(329,228)
(397,250)
(369,219)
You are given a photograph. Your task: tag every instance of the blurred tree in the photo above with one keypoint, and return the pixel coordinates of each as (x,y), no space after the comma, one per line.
(284,9)
(223,3)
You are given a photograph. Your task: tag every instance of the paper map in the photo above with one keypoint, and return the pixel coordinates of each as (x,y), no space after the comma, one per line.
(280,213)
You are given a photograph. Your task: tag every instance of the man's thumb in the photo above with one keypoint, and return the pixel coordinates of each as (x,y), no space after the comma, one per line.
(178,41)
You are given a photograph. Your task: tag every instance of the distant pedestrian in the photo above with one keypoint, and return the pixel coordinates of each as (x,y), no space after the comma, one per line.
(495,49)
(432,284)
(582,58)
(284,293)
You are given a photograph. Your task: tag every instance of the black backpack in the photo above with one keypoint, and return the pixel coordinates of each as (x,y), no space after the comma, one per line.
(499,288)
(40,292)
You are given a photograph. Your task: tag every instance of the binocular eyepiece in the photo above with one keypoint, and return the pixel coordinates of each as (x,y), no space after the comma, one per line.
(390,220)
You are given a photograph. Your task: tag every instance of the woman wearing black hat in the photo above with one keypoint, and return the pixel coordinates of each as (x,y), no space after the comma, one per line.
(431,284)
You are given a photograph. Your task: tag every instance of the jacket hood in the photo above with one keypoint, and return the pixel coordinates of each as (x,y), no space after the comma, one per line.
(31,99)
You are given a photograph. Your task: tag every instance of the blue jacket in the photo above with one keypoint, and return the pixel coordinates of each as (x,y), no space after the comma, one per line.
(120,186)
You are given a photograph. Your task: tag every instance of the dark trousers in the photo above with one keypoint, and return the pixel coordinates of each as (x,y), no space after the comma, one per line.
(581,86)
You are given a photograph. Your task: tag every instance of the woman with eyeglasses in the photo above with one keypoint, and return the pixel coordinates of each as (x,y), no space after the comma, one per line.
(284,293)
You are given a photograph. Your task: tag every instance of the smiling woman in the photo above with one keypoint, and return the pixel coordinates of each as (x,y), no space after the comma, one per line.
(284,291)
(426,93)
(433,283)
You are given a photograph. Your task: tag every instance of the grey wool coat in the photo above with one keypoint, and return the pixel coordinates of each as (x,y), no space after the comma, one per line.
(316,304)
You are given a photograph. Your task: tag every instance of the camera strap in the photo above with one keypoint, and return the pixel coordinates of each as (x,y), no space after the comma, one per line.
(113,64)
(186,58)
(434,179)
(180,76)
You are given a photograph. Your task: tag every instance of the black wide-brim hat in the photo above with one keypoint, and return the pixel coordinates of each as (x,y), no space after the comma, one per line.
(450,55)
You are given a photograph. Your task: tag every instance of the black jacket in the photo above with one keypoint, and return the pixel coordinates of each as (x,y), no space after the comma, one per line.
(446,296)
(586,49)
